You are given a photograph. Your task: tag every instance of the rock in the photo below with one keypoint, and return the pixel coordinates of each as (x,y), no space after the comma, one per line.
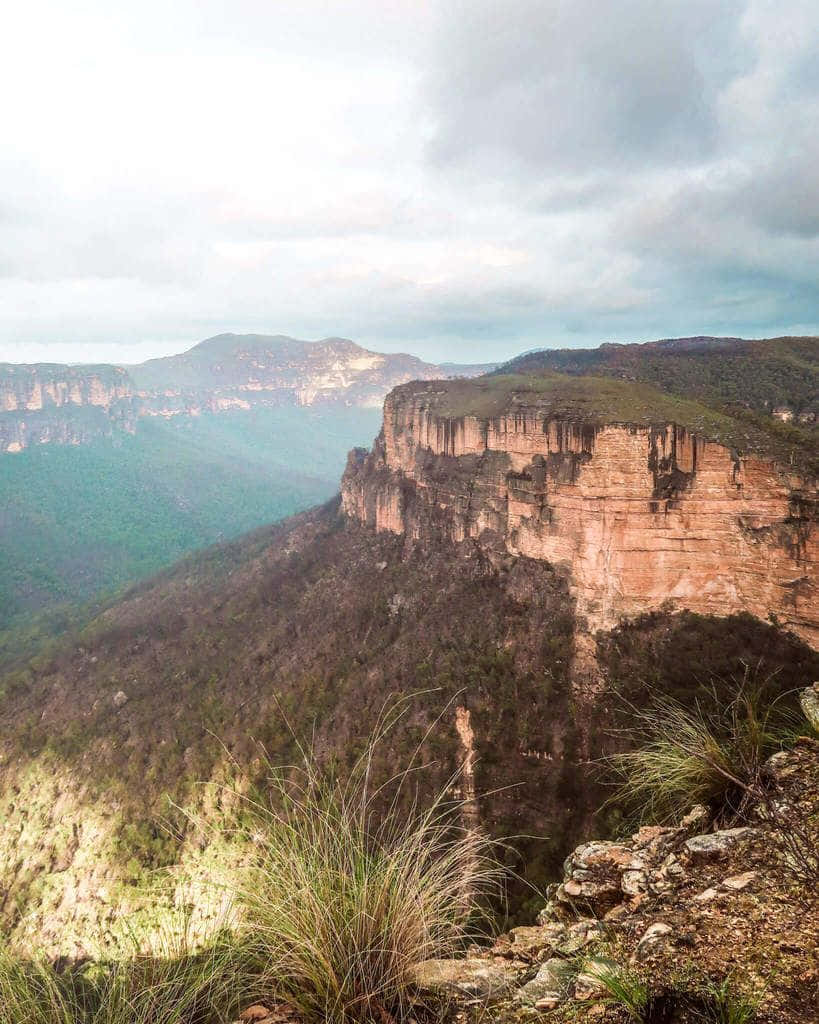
(255,1012)
(618,913)
(714,845)
(592,875)
(706,895)
(634,882)
(529,942)
(738,882)
(472,976)
(580,935)
(653,937)
(551,983)
(552,912)
(549,1001)
(697,819)
(120,699)
(587,986)
(809,700)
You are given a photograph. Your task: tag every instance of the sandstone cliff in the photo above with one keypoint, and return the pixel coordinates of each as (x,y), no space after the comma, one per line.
(49,403)
(639,515)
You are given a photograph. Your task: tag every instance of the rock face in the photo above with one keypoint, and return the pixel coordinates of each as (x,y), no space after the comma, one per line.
(48,403)
(638,516)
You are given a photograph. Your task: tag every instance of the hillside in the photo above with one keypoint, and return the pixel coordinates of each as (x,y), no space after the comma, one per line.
(78,522)
(762,375)
(768,387)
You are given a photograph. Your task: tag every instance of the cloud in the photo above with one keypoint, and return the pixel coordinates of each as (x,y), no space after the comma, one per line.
(463,179)
(568,84)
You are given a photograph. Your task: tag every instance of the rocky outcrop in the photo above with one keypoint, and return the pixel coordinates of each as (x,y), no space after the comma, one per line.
(52,404)
(665,911)
(638,516)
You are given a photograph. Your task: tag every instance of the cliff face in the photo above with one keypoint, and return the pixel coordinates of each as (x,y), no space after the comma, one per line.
(638,516)
(42,403)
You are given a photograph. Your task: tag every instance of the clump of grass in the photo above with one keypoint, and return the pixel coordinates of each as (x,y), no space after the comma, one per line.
(728,1004)
(353,884)
(709,755)
(622,986)
(164,981)
(30,993)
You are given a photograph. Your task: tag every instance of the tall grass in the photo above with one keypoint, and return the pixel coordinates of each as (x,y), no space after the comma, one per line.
(347,886)
(353,883)
(164,981)
(710,755)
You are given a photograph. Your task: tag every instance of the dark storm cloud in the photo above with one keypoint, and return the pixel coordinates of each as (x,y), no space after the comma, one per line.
(677,138)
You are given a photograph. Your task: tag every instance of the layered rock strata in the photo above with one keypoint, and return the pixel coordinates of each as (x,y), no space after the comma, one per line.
(640,517)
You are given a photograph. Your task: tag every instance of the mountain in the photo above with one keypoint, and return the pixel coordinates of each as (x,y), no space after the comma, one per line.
(516,557)
(109,473)
(44,403)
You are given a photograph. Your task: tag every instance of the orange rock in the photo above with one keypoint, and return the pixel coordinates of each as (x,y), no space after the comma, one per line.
(641,517)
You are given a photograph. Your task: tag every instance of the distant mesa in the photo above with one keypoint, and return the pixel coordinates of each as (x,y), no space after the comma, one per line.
(49,403)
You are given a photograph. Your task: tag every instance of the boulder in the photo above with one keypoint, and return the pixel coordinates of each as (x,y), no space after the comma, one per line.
(551,984)
(714,845)
(530,942)
(653,937)
(592,875)
(480,979)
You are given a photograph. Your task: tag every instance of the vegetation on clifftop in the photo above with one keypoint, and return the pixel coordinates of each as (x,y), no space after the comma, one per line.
(599,400)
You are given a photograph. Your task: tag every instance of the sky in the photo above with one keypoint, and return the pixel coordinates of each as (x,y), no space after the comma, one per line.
(462,179)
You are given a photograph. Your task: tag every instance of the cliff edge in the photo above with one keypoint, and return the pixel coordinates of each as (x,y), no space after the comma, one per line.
(642,499)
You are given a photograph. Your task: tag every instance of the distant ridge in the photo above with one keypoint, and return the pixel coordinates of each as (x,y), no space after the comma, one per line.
(45,403)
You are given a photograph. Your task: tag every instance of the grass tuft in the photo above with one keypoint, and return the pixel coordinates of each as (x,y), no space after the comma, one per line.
(622,986)
(711,756)
(353,884)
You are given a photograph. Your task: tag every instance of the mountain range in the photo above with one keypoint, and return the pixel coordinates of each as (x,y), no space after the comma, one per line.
(42,403)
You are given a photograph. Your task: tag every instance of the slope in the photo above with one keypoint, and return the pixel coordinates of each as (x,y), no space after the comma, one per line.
(79,521)
(310,626)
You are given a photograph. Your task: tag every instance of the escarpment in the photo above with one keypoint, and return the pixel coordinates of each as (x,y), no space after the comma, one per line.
(639,516)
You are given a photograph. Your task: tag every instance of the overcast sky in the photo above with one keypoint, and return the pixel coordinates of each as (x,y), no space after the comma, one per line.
(463,179)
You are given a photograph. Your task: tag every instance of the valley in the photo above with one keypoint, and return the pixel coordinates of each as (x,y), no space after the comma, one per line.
(108,473)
